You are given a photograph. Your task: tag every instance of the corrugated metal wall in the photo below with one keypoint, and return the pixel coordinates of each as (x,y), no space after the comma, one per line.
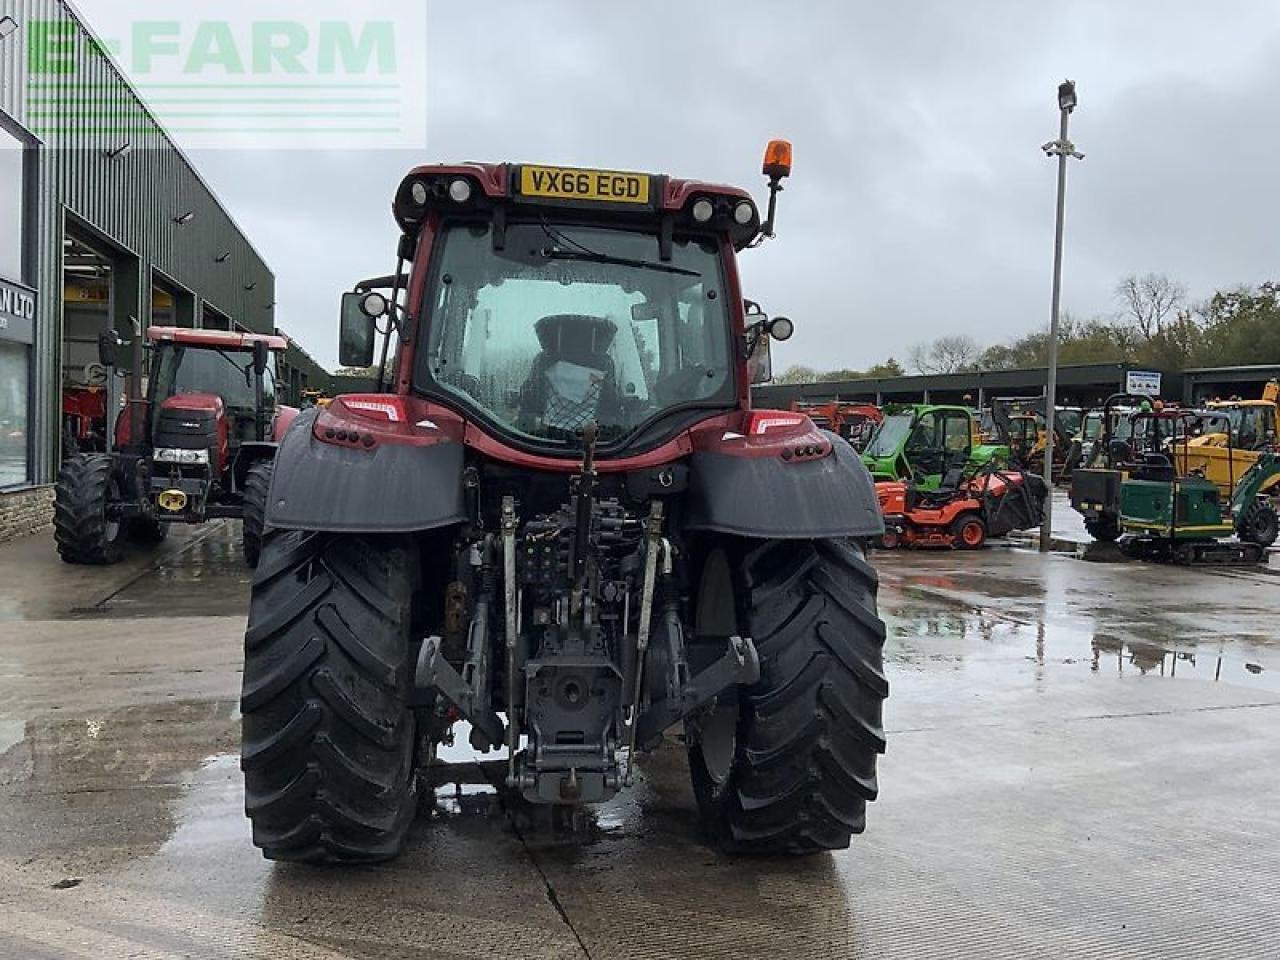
(132,201)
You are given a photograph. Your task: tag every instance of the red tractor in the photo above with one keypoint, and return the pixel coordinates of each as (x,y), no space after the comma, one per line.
(566,526)
(199,447)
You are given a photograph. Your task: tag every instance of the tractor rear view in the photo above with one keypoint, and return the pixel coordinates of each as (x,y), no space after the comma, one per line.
(566,527)
(199,447)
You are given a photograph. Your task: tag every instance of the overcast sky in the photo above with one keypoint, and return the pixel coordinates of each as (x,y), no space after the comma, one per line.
(920,204)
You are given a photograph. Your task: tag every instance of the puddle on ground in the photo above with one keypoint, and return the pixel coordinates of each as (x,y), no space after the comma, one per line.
(66,776)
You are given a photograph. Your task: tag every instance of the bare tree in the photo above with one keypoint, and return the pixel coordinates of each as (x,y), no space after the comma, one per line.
(1150,300)
(945,355)
(797,373)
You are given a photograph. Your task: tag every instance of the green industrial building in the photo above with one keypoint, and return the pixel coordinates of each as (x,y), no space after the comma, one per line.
(105,225)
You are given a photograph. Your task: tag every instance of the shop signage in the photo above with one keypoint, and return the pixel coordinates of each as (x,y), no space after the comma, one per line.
(17,311)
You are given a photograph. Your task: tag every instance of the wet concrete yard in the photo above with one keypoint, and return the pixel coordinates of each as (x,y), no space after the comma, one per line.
(1084,761)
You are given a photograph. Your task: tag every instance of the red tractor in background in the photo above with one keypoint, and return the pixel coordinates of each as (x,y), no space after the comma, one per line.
(198,447)
(854,422)
(566,526)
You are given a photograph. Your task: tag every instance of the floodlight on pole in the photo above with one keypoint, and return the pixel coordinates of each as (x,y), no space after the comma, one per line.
(1062,149)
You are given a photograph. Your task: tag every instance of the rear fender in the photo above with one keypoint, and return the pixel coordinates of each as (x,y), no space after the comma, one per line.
(340,471)
(749,488)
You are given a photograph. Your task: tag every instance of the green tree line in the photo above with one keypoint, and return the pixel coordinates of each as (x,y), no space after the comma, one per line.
(1156,326)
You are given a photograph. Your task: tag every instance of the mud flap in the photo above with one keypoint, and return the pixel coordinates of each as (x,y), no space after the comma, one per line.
(739,665)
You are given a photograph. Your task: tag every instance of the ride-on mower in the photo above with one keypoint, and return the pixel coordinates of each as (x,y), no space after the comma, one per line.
(567,527)
(199,447)
(964,512)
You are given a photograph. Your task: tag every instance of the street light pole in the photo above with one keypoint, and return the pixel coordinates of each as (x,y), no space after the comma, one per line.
(1062,148)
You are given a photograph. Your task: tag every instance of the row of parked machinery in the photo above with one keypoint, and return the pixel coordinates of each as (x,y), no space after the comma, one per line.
(1187,485)
(1190,485)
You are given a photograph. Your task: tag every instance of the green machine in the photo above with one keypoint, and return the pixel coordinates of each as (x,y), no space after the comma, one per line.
(1183,519)
(921,443)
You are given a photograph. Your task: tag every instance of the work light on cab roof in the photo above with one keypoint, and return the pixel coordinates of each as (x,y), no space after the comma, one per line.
(496,189)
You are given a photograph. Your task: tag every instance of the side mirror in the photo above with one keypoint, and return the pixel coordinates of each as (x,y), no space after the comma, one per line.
(760,363)
(108,348)
(356,332)
(261,356)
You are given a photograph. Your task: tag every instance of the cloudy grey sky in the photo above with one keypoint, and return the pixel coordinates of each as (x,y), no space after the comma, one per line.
(920,205)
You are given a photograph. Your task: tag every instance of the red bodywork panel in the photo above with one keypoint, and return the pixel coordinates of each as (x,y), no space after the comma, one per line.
(283,421)
(363,421)
(124,422)
(221,339)
(87,407)
(205,403)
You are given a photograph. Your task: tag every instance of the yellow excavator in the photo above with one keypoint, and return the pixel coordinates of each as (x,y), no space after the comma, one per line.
(1223,459)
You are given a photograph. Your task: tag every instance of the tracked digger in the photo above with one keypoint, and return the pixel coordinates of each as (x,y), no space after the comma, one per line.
(564,525)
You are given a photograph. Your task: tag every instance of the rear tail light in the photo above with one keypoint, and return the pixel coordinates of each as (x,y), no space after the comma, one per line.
(391,409)
(761,422)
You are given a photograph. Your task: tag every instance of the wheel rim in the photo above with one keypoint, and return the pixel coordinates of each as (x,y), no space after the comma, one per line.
(718,739)
(971,534)
(717,618)
(110,528)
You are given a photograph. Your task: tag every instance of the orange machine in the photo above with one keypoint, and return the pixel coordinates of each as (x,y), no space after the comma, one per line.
(962,513)
(854,422)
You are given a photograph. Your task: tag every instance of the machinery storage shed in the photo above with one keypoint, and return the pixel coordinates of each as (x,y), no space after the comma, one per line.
(106,224)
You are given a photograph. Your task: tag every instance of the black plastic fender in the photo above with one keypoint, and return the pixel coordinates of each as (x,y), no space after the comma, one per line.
(393,488)
(769,498)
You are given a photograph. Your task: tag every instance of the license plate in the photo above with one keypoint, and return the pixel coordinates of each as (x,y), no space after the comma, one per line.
(600,186)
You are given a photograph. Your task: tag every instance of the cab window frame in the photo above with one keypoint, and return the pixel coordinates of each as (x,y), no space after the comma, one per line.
(638,439)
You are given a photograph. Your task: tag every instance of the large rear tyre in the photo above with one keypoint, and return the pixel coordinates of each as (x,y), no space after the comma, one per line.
(1105,529)
(328,745)
(82,529)
(257,485)
(788,766)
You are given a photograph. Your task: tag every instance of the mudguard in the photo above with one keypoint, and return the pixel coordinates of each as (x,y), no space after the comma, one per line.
(393,488)
(769,498)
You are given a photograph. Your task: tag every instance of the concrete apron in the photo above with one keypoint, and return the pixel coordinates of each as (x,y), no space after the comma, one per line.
(1081,764)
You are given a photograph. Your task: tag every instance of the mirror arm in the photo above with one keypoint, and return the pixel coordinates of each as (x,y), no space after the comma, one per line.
(391,322)
(775,188)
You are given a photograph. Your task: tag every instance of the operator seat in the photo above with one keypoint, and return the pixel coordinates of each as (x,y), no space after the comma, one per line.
(573,380)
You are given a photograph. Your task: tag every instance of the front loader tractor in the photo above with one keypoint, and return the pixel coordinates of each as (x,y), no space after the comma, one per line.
(562,531)
(199,446)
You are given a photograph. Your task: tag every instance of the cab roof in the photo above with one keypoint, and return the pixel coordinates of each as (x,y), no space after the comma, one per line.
(500,185)
(217,339)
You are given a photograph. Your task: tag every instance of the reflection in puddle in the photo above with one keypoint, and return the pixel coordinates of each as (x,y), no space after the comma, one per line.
(1146,659)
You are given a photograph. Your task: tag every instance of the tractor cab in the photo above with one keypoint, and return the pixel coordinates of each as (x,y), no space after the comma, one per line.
(924,443)
(1135,439)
